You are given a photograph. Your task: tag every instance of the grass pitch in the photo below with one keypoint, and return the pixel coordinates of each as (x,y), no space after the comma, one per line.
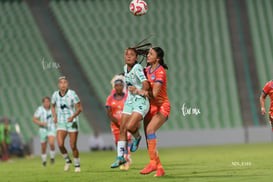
(250,162)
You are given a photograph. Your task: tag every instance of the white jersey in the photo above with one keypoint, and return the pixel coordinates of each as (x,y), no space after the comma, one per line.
(45,116)
(65,105)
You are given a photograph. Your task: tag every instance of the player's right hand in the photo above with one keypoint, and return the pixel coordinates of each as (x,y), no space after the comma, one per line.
(263,111)
(55,120)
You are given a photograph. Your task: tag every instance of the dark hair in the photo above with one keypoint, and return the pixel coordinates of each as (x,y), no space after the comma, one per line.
(160,54)
(141,50)
(46,98)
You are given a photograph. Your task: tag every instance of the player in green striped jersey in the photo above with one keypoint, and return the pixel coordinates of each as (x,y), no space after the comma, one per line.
(47,131)
(135,108)
(66,107)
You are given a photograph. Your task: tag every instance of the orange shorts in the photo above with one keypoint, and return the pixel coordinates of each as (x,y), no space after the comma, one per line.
(115,133)
(165,109)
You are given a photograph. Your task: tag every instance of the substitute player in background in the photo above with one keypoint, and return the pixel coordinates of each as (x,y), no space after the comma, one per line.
(114,104)
(47,131)
(159,106)
(135,108)
(66,107)
(267,90)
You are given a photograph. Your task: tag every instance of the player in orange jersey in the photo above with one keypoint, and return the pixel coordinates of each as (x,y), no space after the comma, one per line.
(267,90)
(114,105)
(159,106)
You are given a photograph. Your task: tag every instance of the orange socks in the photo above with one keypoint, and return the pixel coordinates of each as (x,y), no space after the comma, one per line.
(151,140)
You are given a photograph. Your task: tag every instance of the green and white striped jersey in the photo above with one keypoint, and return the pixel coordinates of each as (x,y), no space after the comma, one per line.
(45,116)
(134,77)
(65,105)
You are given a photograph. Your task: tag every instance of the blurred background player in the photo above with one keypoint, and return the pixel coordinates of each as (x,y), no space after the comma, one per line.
(47,130)
(66,107)
(135,107)
(114,104)
(5,140)
(267,90)
(159,106)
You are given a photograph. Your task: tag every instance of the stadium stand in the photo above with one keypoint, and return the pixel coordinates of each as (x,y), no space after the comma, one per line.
(261,17)
(195,38)
(27,73)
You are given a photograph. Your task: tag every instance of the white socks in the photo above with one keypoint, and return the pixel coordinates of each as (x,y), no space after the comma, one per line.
(52,154)
(77,162)
(121,148)
(66,158)
(43,156)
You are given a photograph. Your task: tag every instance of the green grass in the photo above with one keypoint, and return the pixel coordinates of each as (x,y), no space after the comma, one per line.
(210,163)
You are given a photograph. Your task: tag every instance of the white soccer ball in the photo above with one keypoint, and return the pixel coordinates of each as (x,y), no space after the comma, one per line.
(138,7)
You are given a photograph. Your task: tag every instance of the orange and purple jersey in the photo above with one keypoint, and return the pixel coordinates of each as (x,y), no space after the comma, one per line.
(158,75)
(161,102)
(268,90)
(116,106)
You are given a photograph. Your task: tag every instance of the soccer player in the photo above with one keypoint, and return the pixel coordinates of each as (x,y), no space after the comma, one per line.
(267,90)
(114,105)
(47,130)
(159,106)
(135,108)
(66,107)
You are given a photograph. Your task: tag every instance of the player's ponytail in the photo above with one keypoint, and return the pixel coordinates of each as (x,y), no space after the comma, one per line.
(141,50)
(160,55)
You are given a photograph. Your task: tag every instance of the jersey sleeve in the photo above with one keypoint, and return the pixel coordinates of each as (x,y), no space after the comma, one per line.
(54,98)
(267,88)
(76,98)
(108,102)
(140,73)
(160,76)
(37,113)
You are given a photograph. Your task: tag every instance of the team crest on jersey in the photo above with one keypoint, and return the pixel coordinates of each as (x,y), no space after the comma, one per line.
(153,77)
(132,75)
(63,106)
(48,116)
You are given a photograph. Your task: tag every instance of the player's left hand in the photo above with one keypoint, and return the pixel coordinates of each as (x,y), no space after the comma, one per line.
(132,89)
(70,119)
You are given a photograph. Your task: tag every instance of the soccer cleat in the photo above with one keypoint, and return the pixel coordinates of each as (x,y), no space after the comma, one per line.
(119,161)
(67,166)
(52,161)
(135,144)
(44,164)
(159,172)
(148,169)
(77,169)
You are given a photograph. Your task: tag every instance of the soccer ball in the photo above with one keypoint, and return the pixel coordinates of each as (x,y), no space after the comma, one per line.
(138,7)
